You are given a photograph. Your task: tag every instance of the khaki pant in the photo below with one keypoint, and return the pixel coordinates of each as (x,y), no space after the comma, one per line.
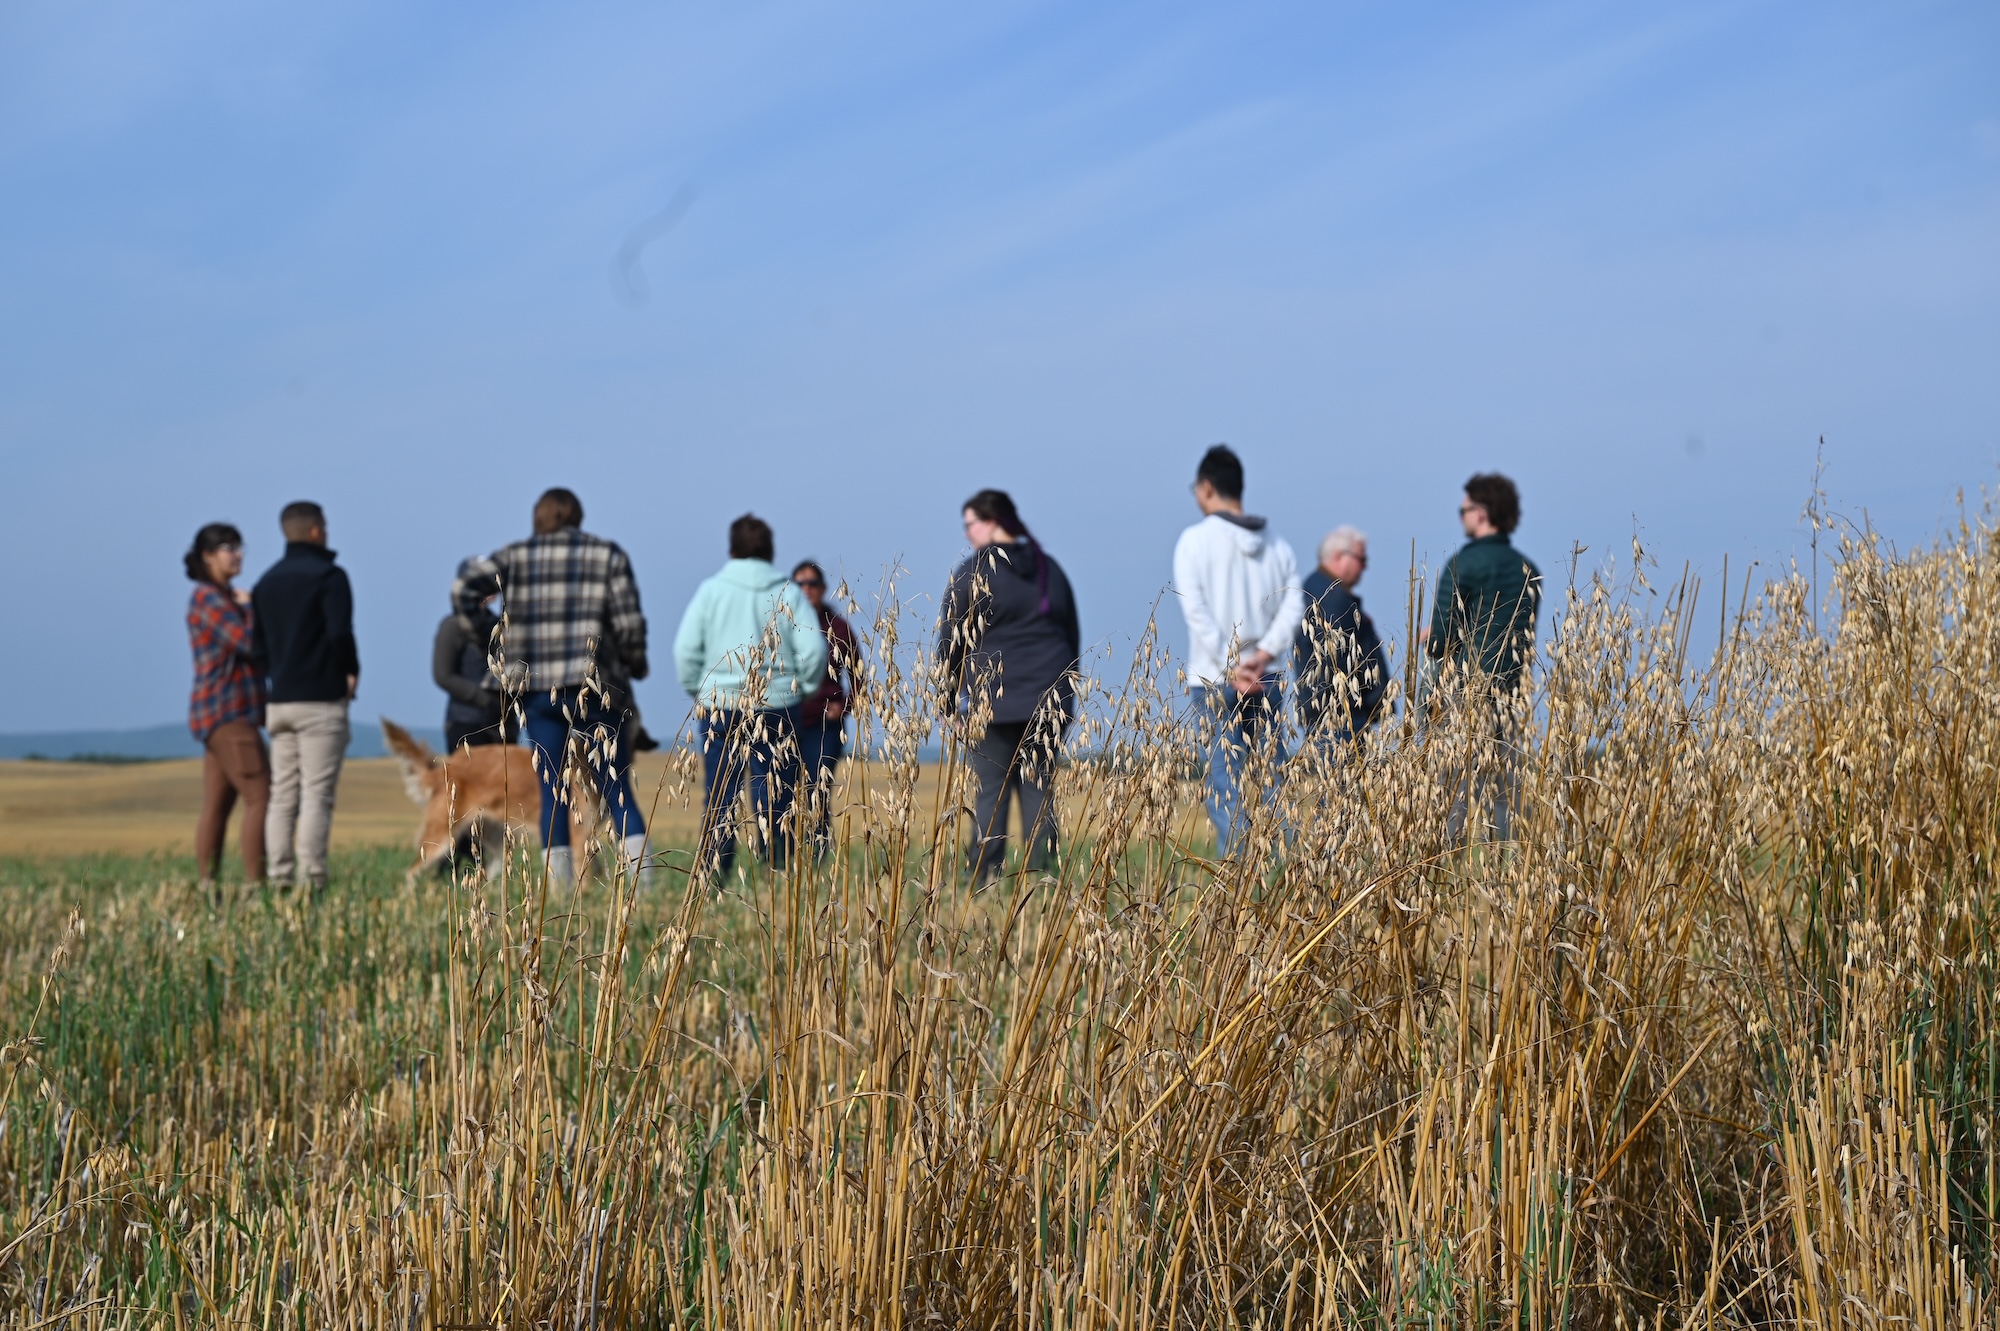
(308,741)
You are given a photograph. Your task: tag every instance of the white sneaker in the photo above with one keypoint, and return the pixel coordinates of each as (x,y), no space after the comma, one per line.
(637,860)
(562,867)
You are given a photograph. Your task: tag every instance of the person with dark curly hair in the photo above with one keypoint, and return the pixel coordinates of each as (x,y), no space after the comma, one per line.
(1482,635)
(226,706)
(1489,593)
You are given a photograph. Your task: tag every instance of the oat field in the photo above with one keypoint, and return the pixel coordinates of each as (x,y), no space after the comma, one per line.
(1707,1040)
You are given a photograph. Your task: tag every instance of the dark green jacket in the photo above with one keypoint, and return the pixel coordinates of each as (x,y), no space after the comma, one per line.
(1487,599)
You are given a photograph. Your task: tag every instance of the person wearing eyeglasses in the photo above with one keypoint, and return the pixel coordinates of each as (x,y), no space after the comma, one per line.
(226,706)
(1337,657)
(1482,635)
(1009,653)
(823,716)
(1488,594)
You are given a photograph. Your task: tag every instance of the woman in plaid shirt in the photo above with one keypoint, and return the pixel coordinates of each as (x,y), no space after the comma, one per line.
(227,704)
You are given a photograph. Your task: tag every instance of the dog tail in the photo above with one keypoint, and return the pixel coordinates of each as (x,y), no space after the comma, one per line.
(414,758)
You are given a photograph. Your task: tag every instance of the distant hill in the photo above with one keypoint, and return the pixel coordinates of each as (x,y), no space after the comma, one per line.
(166,741)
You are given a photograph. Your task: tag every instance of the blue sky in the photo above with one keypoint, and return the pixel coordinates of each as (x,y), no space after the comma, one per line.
(1641,257)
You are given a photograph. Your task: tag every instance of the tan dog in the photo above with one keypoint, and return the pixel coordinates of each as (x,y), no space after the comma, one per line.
(489,790)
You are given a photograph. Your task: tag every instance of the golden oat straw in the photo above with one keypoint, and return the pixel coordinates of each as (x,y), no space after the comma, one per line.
(1661,995)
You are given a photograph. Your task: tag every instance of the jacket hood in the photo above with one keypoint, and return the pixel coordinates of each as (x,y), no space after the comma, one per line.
(1019,558)
(757,575)
(1248,531)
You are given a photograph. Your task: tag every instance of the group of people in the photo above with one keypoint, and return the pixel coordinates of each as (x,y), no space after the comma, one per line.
(546,636)
(1247,610)
(1008,646)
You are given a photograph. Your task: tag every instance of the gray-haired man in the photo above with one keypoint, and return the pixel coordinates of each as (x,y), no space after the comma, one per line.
(1337,658)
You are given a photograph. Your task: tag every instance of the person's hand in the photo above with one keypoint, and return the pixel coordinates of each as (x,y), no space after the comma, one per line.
(835,710)
(1248,677)
(1423,635)
(353,683)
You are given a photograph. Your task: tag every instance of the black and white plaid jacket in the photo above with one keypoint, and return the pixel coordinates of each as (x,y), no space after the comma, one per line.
(563,594)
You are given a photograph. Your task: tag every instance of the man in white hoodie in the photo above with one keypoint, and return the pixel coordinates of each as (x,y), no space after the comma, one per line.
(750,651)
(1239,589)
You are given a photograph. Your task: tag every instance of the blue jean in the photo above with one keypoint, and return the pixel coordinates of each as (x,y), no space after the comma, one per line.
(1242,723)
(763,746)
(552,717)
(1325,733)
(822,745)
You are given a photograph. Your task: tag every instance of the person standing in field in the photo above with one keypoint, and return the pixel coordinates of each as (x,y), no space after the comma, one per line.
(1009,651)
(823,716)
(304,636)
(1238,585)
(1337,663)
(226,706)
(567,597)
(1482,629)
(750,653)
(475,711)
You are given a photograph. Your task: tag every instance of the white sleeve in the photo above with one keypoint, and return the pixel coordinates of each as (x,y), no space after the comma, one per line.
(1277,640)
(1204,638)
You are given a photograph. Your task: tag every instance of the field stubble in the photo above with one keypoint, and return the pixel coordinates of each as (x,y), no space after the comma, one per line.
(1709,1042)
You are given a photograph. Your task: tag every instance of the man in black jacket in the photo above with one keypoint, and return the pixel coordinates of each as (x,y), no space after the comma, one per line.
(303,640)
(1337,657)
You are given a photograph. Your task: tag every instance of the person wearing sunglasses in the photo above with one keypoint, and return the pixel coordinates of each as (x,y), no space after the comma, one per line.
(226,706)
(1337,657)
(823,716)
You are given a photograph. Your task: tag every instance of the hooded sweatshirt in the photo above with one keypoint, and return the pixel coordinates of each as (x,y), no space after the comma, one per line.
(749,610)
(1239,589)
(994,636)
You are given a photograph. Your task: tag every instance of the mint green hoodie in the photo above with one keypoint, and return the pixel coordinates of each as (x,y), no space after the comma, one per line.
(726,625)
